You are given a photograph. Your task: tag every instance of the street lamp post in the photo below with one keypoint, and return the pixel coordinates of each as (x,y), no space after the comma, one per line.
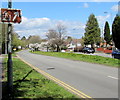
(119,8)
(9,63)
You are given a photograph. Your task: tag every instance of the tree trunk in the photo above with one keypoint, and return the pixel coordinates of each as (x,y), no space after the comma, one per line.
(93,46)
(47,49)
(58,48)
(106,44)
(3,48)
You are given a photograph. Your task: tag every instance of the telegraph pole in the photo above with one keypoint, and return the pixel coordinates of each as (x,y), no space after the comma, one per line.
(9,63)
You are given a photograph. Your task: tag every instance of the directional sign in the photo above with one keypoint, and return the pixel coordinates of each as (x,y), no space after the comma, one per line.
(10,15)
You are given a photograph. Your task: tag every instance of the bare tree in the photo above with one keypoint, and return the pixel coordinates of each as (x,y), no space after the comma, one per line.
(34,39)
(61,29)
(51,34)
(56,37)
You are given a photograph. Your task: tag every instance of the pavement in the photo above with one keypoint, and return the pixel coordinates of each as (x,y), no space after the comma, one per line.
(97,81)
(0,77)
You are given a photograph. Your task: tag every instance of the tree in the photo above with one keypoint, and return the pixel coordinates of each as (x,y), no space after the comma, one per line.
(0,38)
(15,40)
(92,31)
(34,39)
(23,38)
(24,41)
(3,37)
(69,39)
(107,36)
(61,30)
(56,37)
(52,34)
(116,31)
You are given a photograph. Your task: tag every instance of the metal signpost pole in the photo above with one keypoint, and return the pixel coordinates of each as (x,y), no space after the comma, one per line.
(9,66)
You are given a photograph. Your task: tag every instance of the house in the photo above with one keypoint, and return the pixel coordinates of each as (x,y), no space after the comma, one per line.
(73,44)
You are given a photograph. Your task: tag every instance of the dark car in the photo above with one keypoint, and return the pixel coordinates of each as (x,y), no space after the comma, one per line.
(116,54)
(88,50)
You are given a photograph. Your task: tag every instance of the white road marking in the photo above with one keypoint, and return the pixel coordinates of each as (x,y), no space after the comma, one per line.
(113,77)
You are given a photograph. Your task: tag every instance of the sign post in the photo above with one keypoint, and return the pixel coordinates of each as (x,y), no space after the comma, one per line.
(10,16)
(9,63)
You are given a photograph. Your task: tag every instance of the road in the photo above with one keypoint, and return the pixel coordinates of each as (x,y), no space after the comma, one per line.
(97,81)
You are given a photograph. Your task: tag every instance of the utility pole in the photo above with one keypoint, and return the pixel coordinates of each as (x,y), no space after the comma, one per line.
(9,63)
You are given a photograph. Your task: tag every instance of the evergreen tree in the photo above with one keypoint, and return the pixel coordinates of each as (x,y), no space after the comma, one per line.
(23,38)
(92,31)
(107,36)
(116,31)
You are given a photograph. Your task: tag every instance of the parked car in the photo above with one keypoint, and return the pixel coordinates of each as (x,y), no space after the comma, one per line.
(116,54)
(88,50)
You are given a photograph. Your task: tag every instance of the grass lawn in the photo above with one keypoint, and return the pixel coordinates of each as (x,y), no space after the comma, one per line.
(81,57)
(34,85)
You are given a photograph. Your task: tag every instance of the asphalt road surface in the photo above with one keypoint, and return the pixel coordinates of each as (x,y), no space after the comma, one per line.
(97,81)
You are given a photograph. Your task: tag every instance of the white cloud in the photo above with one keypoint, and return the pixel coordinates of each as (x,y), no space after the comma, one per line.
(39,26)
(34,26)
(115,8)
(86,5)
(102,19)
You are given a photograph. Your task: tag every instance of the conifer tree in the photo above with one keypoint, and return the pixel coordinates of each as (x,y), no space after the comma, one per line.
(116,31)
(92,31)
(107,36)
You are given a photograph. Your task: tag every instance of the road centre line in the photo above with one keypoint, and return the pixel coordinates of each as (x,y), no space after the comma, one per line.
(79,93)
(113,77)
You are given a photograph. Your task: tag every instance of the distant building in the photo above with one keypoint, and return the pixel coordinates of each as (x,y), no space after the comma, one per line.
(75,43)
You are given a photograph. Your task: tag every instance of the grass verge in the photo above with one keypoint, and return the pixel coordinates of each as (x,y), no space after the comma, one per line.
(86,58)
(35,85)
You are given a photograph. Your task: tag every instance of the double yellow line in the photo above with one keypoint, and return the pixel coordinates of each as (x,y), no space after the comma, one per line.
(70,88)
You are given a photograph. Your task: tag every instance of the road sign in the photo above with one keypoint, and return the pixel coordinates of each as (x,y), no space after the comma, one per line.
(10,15)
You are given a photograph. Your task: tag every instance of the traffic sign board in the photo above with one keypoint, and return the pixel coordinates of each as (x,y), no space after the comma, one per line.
(10,15)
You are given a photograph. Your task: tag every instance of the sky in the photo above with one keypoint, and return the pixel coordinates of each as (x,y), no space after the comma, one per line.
(39,17)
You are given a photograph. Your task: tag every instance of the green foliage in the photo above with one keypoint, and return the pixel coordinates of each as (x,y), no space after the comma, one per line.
(116,31)
(92,31)
(15,40)
(107,36)
(81,57)
(24,41)
(23,38)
